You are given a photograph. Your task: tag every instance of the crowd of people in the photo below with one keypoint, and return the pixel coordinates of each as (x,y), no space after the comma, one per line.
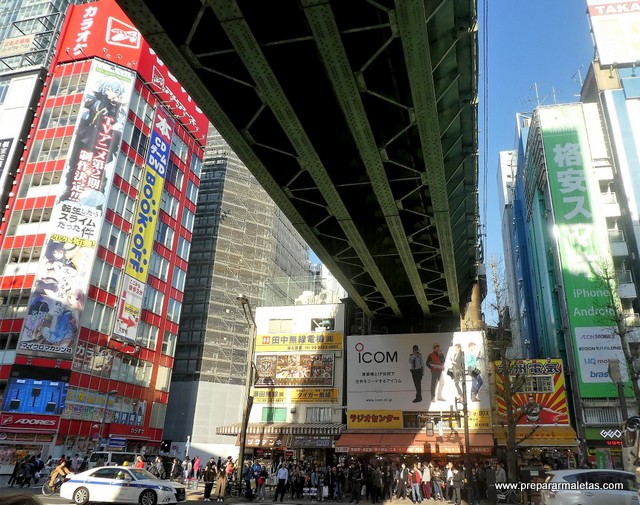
(353,481)
(31,469)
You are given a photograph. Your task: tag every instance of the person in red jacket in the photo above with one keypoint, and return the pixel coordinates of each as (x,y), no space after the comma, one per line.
(139,462)
(415,477)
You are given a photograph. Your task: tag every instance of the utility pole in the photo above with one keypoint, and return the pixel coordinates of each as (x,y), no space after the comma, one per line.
(248,314)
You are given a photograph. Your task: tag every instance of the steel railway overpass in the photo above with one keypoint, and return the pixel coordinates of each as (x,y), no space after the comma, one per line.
(359,117)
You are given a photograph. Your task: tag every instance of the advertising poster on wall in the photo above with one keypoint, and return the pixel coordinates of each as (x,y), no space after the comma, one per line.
(583,249)
(421,372)
(57,300)
(616,29)
(32,396)
(542,400)
(144,228)
(280,370)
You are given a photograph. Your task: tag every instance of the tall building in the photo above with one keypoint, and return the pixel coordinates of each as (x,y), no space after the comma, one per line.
(95,240)
(240,241)
(577,183)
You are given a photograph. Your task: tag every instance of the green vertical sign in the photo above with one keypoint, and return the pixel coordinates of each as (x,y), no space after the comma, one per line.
(583,245)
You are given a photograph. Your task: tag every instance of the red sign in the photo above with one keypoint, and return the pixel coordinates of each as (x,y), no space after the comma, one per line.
(101,29)
(29,422)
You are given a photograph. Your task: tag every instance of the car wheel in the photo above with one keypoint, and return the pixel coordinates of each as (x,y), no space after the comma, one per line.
(148,497)
(81,496)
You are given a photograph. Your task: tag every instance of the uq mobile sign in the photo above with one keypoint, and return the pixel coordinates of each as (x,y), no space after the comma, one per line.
(582,248)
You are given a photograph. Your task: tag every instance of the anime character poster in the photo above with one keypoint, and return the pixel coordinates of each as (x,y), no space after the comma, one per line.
(52,323)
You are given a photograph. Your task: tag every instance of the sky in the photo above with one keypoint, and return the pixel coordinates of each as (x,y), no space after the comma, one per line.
(543,42)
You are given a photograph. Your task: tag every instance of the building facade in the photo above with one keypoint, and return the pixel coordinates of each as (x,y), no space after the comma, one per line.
(95,241)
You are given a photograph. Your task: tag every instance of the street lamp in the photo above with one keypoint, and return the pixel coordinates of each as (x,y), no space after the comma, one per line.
(248,314)
(104,415)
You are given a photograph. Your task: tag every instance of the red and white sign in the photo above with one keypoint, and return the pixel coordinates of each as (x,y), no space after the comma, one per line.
(29,422)
(101,29)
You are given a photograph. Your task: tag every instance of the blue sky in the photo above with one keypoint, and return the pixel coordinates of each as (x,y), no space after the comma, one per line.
(529,41)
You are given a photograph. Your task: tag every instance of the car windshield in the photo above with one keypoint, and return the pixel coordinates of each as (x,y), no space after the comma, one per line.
(140,474)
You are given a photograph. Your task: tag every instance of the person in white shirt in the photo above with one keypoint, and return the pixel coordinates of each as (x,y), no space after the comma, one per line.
(283,477)
(501,475)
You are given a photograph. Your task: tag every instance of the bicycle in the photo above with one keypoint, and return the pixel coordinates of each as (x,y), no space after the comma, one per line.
(48,490)
(512,496)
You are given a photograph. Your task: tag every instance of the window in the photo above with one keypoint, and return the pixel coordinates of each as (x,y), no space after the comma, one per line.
(147,335)
(538,384)
(178,278)
(280,325)
(133,136)
(121,203)
(68,84)
(187,220)
(105,276)
(158,266)
(49,149)
(164,234)
(184,246)
(97,316)
(323,324)
(128,170)
(169,343)
(173,310)
(169,204)
(64,115)
(153,300)
(179,148)
(196,165)
(113,238)
(274,414)
(319,414)
(192,191)
(174,175)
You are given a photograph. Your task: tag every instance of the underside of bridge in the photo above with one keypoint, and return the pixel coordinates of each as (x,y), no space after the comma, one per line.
(360,120)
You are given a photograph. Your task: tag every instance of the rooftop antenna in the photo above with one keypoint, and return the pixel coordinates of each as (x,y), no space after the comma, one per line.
(538,99)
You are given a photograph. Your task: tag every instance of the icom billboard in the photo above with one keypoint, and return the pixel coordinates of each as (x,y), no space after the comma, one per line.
(392,375)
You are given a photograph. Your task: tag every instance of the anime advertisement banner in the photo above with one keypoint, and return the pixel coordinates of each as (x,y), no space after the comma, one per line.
(295,370)
(144,227)
(52,323)
(420,372)
(542,399)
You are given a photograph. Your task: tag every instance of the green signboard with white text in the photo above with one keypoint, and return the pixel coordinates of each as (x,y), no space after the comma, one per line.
(580,231)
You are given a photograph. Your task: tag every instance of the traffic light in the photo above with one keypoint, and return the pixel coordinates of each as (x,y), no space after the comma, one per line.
(165,446)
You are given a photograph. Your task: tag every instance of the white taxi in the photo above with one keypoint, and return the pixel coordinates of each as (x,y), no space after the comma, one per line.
(121,484)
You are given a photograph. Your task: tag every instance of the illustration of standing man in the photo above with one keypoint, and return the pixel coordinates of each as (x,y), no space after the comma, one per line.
(457,367)
(473,369)
(435,363)
(417,371)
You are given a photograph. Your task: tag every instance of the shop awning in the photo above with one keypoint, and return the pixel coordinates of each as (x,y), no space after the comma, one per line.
(541,436)
(416,443)
(283,429)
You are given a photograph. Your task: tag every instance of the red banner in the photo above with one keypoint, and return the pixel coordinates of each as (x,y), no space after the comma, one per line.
(29,422)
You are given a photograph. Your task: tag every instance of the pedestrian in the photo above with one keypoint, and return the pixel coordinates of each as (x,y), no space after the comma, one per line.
(247,475)
(139,462)
(457,482)
(426,480)
(437,483)
(356,483)
(209,476)
(403,479)
(195,471)
(283,477)
(416,482)
(18,469)
(84,465)
(261,482)
(221,483)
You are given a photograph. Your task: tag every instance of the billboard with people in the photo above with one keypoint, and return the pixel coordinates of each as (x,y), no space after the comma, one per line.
(420,372)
